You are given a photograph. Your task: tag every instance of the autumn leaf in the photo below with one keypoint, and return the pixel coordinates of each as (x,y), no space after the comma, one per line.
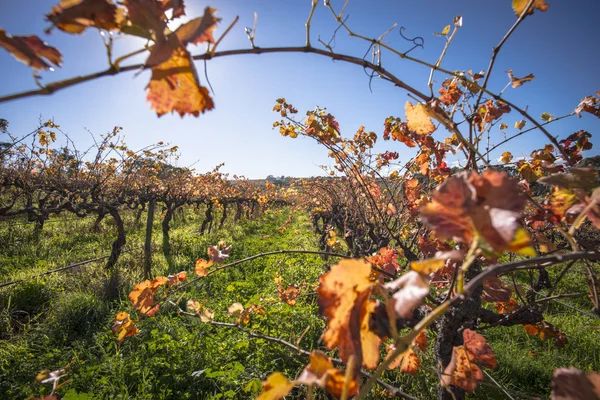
(450,92)
(408,361)
(573,384)
(421,340)
(487,205)
(288,295)
(546,116)
(561,201)
(174,87)
(494,290)
(202,266)
(31,50)
(481,350)
(320,372)
(206,315)
(218,255)
(199,30)
(235,310)
(546,331)
(431,265)
(343,297)
(174,279)
(194,306)
(589,104)
(520,124)
(516,82)
(462,371)
(124,326)
(506,307)
(506,157)
(576,178)
(386,260)
(410,289)
(276,387)
(319,365)
(520,5)
(176,5)
(73,16)
(418,119)
(143,299)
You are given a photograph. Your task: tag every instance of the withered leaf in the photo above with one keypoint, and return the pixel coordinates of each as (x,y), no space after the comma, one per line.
(199,30)
(516,82)
(576,178)
(73,16)
(494,290)
(31,50)
(573,384)
(410,289)
(218,255)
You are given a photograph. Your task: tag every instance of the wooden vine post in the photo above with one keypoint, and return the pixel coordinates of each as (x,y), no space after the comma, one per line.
(148,241)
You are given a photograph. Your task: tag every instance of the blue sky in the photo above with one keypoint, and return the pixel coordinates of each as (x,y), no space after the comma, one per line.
(560,47)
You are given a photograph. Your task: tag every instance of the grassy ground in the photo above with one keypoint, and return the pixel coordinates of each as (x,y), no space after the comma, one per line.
(65,318)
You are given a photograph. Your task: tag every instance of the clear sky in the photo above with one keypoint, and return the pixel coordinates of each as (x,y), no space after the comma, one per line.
(559,46)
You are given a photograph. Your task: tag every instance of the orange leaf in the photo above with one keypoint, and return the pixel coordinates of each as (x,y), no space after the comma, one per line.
(421,340)
(288,295)
(124,326)
(201,267)
(174,279)
(462,371)
(343,296)
(174,87)
(336,380)
(320,371)
(408,361)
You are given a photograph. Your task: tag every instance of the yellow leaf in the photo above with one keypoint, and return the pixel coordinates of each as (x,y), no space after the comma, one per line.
(520,124)
(276,387)
(428,266)
(519,6)
(417,119)
(521,243)
(506,157)
(446,30)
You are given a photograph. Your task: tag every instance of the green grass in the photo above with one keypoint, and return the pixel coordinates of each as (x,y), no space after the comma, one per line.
(66,318)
